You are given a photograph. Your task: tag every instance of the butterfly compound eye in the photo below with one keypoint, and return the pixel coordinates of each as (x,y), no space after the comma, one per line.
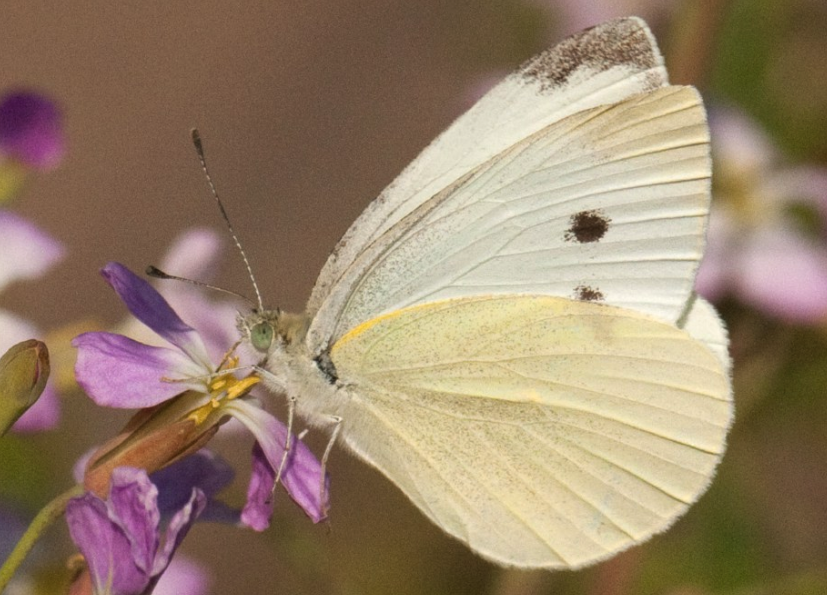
(261,336)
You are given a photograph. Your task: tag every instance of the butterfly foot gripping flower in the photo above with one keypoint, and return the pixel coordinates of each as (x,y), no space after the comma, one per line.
(183,399)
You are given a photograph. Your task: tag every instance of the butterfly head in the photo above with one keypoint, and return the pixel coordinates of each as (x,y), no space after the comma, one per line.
(268,331)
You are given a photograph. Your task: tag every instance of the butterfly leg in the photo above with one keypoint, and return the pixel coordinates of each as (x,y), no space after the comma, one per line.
(291,409)
(271,381)
(336,421)
(276,385)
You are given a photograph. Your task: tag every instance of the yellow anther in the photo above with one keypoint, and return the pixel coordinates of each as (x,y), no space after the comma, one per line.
(242,387)
(222,383)
(202,413)
(229,362)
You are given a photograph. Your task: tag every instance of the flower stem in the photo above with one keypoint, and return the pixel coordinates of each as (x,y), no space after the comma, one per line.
(49,514)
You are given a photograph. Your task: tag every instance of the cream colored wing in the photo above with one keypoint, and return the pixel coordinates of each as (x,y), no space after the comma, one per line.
(609,204)
(602,65)
(703,323)
(542,432)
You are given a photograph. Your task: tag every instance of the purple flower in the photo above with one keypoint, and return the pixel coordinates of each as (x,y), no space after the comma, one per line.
(120,537)
(183,577)
(26,253)
(768,227)
(30,130)
(203,470)
(194,255)
(198,396)
(12,526)
(573,15)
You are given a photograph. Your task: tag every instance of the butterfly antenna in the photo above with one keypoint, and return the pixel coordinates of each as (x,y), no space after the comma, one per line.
(199,148)
(157,273)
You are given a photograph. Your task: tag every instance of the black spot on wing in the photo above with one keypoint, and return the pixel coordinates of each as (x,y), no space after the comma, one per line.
(615,43)
(587,226)
(585,293)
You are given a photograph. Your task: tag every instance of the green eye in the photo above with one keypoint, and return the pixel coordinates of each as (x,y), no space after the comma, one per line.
(261,336)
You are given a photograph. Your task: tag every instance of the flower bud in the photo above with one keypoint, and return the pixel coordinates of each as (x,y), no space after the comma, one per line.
(151,440)
(24,370)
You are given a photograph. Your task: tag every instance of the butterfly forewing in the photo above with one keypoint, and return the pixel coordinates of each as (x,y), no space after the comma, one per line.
(608,204)
(603,65)
(541,431)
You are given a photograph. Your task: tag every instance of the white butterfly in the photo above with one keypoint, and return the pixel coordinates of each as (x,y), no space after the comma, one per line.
(509,332)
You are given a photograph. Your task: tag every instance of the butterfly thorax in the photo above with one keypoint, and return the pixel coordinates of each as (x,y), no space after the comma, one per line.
(289,368)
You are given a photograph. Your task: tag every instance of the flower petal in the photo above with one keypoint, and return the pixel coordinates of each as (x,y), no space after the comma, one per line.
(194,255)
(105,546)
(301,478)
(259,507)
(120,537)
(302,472)
(785,275)
(133,503)
(714,276)
(179,526)
(183,577)
(204,470)
(116,371)
(148,306)
(739,143)
(43,415)
(26,252)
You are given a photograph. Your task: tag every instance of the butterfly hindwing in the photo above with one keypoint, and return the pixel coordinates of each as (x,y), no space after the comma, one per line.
(541,431)
(703,323)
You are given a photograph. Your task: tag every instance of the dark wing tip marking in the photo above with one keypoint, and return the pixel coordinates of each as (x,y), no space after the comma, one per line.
(585,293)
(587,226)
(614,43)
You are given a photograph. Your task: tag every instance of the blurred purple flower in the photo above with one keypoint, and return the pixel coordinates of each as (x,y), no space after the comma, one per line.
(30,130)
(575,15)
(120,537)
(116,371)
(183,577)
(12,526)
(26,253)
(768,226)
